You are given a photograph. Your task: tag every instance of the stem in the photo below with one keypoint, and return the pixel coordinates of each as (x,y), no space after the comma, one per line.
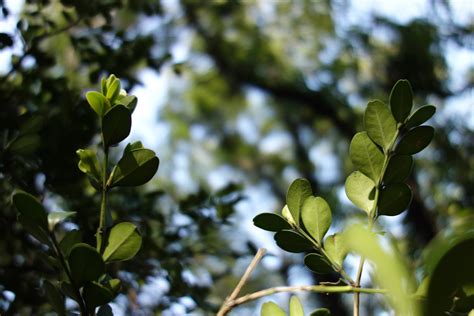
(103,204)
(62,260)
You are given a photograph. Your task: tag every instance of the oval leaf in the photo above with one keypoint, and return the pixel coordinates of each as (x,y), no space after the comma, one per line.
(56,217)
(317,264)
(398,169)
(380,124)
(123,243)
(320,312)
(30,209)
(292,241)
(86,263)
(401,100)
(299,190)
(360,189)
(135,168)
(420,116)
(271,222)
(394,199)
(55,297)
(366,156)
(97,102)
(88,163)
(113,89)
(316,216)
(95,294)
(116,125)
(69,240)
(335,249)
(271,309)
(296,309)
(129,101)
(69,291)
(415,140)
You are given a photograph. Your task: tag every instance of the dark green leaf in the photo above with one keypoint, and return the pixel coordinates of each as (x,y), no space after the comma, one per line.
(25,145)
(299,190)
(132,146)
(55,297)
(420,116)
(415,140)
(135,168)
(335,249)
(360,189)
(69,291)
(95,294)
(401,100)
(86,263)
(69,240)
(316,216)
(113,285)
(116,125)
(56,217)
(380,124)
(32,215)
(366,156)
(292,241)
(271,222)
(398,169)
(123,243)
(271,309)
(97,102)
(394,199)
(317,264)
(320,312)
(129,101)
(105,310)
(296,309)
(88,163)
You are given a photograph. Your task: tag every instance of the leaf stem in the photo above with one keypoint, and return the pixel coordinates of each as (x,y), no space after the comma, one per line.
(103,204)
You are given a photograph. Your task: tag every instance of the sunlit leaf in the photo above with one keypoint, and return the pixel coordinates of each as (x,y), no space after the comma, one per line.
(271,309)
(316,217)
(97,102)
(88,163)
(380,124)
(123,242)
(335,249)
(366,156)
(135,168)
(401,100)
(299,190)
(113,90)
(296,309)
(360,189)
(271,222)
(320,312)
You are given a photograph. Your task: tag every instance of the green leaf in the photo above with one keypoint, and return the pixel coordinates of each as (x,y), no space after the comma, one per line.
(285,213)
(132,146)
(88,163)
(116,125)
(69,291)
(113,285)
(394,199)
(415,140)
(420,116)
(123,243)
(113,90)
(320,312)
(97,102)
(299,190)
(296,309)
(129,101)
(335,249)
(389,269)
(96,294)
(271,309)
(449,262)
(366,156)
(401,100)
(398,169)
(271,222)
(105,310)
(380,124)
(56,217)
(292,241)
(25,144)
(318,264)
(360,189)
(69,240)
(55,297)
(135,168)
(103,86)
(316,216)
(86,263)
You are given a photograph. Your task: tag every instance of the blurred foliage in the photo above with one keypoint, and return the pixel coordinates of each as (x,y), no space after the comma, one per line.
(266,92)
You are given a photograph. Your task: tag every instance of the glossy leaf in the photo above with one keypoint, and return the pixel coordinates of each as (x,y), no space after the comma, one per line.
(420,116)
(129,101)
(86,263)
(271,309)
(320,312)
(298,192)
(389,269)
(380,124)
(96,294)
(292,241)
(116,125)
(88,163)
(55,297)
(285,213)
(135,168)
(316,216)
(360,189)
(401,100)
(69,240)
(132,146)
(366,156)
(335,249)
(123,243)
(415,140)
(394,199)
(296,309)
(103,86)
(56,217)
(398,169)
(318,264)
(271,222)
(98,102)
(113,90)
